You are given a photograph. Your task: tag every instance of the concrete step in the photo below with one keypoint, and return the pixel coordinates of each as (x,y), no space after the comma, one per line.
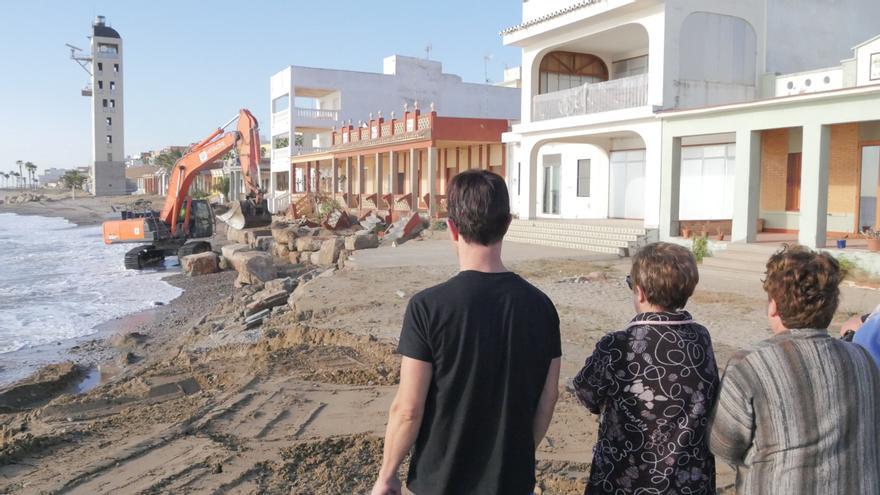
(579,239)
(581,246)
(577,227)
(580,235)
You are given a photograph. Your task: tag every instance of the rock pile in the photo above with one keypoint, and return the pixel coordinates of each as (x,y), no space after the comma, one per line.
(25,197)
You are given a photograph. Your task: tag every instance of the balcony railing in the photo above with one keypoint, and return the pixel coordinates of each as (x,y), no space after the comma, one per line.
(305,150)
(316,113)
(280,155)
(617,94)
(280,120)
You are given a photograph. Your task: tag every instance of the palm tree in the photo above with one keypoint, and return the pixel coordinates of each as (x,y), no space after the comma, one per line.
(167,159)
(31,168)
(20,164)
(17,178)
(5,178)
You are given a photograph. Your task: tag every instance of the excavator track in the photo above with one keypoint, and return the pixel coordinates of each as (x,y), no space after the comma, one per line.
(143,256)
(193,248)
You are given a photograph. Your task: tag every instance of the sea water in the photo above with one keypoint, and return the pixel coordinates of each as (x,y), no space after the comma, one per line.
(58,281)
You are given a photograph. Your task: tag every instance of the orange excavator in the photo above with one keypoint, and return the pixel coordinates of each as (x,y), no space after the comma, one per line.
(176,230)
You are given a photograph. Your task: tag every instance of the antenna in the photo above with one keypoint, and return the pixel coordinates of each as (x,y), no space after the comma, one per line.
(486,58)
(83,62)
(428,49)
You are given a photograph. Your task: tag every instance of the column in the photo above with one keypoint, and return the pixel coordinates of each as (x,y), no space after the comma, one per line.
(814,186)
(307,180)
(392,172)
(670,190)
(528,179)
(360,174)
(414,176)
(378,178)
(746,186)
(348,180)
(291,178)
(432,181)
(317,186)
(334,165)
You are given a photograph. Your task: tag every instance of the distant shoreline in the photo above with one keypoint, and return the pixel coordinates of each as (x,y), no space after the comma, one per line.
(85,210)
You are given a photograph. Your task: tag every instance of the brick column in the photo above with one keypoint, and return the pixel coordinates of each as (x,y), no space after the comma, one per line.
(813,222)
(414,176)
(378,178)
(334,165)
(432,181)
(392,172)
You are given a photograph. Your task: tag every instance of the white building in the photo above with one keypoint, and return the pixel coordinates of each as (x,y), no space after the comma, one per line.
(596,75)
(307,103)
(107,171)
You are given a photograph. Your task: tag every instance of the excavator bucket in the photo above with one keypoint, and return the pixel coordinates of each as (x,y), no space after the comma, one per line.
(246,214)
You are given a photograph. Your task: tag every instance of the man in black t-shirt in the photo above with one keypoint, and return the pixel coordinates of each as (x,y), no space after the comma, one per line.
(480,366)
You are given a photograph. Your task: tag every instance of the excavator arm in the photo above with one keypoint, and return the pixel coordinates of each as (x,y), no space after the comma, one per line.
(245,140)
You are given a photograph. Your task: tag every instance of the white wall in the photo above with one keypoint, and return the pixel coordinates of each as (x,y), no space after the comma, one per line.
(863,62)
(572,206)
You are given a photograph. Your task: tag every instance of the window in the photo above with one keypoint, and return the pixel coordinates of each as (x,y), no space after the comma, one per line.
(109,121)
(281,103)
(108,48)
(104,102)
(100,84)
(793,183)
(115,67)
(564,70)
(583,184)
(100,66)
(109,157)
(112,103)
(112,86)
(109,139)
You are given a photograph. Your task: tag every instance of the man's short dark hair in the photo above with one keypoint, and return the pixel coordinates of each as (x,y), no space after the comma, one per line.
(479,206)
(805,285)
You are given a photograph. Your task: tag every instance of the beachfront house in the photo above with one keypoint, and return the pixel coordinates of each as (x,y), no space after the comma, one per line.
(605,81)
(307,104)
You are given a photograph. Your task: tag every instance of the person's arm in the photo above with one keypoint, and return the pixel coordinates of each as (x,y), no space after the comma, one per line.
(547,402)
(593,381)
(404,421)
(732,422)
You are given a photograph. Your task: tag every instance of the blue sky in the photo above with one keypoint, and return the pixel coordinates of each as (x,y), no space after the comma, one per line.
(189,65)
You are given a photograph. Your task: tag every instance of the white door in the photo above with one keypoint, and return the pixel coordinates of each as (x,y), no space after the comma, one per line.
(627,184)
(552,180)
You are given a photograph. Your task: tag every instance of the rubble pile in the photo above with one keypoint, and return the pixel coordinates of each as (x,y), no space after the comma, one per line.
(25,197)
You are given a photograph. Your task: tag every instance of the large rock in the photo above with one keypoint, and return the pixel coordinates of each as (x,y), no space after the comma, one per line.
(265,243)
(229,250)
(314,257)
(281,250)
(251,235)
(287,284)
(293,257)
(236,235)
(329,252)
(367,241)
(200,264)
(286,235)
(253,267)
(343,257)
(305,244)
(266,299)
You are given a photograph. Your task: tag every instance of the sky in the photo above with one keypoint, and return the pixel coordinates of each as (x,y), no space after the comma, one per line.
(189,66)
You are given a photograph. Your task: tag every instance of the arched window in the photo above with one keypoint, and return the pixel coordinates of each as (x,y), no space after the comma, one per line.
(563,70)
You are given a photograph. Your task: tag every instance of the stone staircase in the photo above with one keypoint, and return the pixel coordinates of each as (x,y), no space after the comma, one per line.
(600,237)
(741,261)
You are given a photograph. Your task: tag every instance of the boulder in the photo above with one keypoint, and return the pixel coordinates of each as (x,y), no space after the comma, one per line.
(265,243)
(314,257)
(364,241)
(286,235)
(281,250)
(253,267)
(287,284)
(223,264)
(293,257)
(251,235)
(343,257)
(230,249)
(237,236)
(266,299)
(200,264)
(329,252)
(308,244)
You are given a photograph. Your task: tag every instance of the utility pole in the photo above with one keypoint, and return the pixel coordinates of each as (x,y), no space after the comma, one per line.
(486,58)
(428,49)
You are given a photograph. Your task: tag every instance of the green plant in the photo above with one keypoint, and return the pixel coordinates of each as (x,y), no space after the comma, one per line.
(871,233)
(700,247)
(846,264)
(326,206)
(223,186)
(73,178)
(283,142)
(438,225)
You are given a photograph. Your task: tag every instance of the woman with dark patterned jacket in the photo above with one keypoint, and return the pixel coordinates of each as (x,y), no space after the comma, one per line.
(654,384)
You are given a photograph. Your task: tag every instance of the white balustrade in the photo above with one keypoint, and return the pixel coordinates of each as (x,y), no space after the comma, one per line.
(617,94)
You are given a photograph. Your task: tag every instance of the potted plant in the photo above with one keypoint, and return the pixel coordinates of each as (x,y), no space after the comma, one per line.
(719,234)
(873,237)
(704,230)
(686,232)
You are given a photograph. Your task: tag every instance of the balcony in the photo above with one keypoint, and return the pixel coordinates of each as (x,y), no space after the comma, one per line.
(305,150)
(617,94)
(280,155)
(280,120)
(316,113)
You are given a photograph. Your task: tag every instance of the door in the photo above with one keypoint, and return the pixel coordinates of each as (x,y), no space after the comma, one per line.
(793,183)
(870,182)
(552,184)
(627,188)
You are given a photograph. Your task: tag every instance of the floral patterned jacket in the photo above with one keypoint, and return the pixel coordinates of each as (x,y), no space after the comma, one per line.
(654,384)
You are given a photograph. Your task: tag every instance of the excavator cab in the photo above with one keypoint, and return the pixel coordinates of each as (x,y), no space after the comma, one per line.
(201,220)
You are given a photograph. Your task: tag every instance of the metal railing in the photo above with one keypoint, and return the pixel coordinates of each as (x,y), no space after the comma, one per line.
(316,113)
(305,150)
(280,202)
(617,94)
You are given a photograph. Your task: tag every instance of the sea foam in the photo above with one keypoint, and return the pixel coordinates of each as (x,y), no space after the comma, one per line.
(58,281)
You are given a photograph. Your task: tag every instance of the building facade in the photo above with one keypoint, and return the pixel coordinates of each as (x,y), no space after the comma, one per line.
(306,104)
(597,76)
(805,162)
(107,171)
(399,166)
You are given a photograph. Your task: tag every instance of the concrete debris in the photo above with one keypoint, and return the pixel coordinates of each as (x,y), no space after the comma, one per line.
(329,252)
(230,249)
(337,219)
(251,235)
(281,250)
(583,279)
(343,257)
(372,223)
(401,294)
(259,315)
(404,228)
(200,264)
(266,299)
(287,284)
(364,241)
(25,197)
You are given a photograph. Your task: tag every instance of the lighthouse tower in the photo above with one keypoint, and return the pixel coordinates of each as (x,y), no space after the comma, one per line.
(107,172)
